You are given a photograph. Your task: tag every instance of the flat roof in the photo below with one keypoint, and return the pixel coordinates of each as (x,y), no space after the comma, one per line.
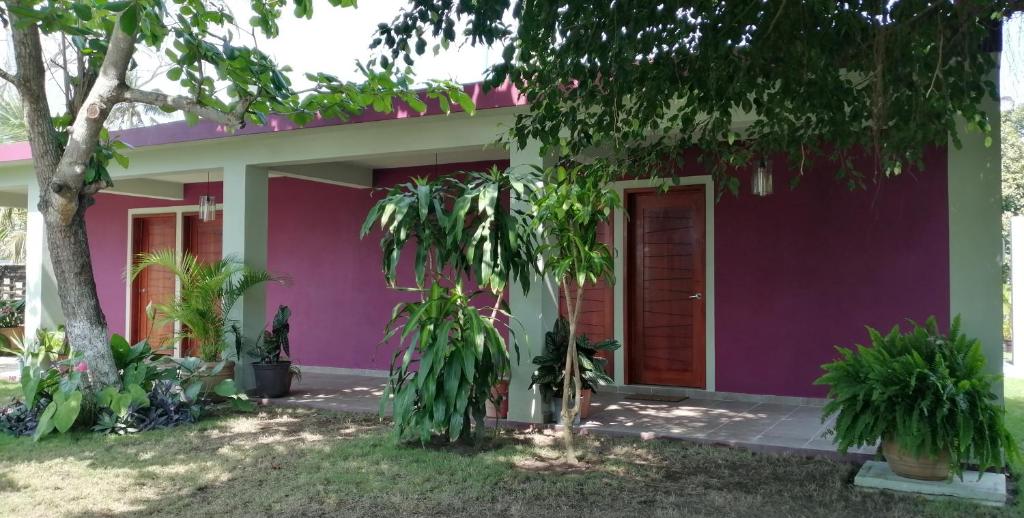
(177,132)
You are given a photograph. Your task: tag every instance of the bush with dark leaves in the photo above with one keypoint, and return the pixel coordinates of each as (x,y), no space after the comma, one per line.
(19,419)
(167,408)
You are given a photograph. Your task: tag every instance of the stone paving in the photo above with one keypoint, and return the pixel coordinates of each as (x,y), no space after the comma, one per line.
(762,426)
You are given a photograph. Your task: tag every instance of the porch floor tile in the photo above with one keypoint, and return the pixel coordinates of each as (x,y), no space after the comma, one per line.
(736,423)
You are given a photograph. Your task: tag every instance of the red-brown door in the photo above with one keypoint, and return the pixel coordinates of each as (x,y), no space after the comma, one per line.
(203,239)
(153,285)
(665,287)
(597,311)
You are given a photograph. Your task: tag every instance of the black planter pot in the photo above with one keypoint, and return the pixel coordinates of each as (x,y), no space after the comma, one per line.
(272,379)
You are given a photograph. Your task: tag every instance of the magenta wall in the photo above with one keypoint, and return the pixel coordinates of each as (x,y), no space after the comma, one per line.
(107,224)
(804,270)
(797,272)
(335,287)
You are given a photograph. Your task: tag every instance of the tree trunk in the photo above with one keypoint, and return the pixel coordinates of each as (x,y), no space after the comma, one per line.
(86,326)
(63,195)
(571,376)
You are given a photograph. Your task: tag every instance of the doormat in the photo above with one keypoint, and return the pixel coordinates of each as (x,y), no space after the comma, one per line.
(657,397)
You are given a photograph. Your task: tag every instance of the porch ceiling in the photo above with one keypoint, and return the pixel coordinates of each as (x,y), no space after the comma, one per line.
(354,172)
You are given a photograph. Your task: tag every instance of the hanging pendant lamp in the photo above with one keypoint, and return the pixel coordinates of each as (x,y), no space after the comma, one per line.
(207,204)
(761,182)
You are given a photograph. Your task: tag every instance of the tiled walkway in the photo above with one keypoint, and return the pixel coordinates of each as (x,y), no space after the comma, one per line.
(764,426)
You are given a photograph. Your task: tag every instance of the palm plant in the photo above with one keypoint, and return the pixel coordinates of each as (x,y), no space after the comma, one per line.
(13,221)
(206,294)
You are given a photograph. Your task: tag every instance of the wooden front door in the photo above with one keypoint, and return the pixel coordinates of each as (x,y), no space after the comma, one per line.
(666,287)
(203,239)
(153,285)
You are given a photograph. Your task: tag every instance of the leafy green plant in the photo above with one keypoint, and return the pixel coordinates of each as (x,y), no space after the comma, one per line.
(58,387)
(12,313)
(207,292)
(462,235)
(551,365)
(273,343)
(460,356)
(927,391)
(47,347)
(164,406)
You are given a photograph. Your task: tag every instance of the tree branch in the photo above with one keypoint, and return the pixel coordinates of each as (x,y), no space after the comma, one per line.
(232,119)
(9,77)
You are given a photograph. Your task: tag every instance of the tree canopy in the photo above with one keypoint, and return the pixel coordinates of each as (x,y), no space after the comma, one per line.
(638,82)
(222,74)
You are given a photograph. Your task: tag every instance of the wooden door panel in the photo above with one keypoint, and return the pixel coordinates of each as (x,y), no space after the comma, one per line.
(204,240)
(665,272)
(153,285)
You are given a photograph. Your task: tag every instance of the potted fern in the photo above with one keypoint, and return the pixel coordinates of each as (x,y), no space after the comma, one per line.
(551,367)
(925,396)
(207,291)
(273,369)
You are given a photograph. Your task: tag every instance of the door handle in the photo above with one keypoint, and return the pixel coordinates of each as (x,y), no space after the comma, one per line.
(697,296)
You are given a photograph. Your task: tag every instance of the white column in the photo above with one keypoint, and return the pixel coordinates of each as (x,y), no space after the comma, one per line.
(975,238)
(42,303)
(245,239)
(534,315)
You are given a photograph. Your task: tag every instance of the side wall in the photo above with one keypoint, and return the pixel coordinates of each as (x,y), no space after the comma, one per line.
(805,269)
(796,273)
(335,287)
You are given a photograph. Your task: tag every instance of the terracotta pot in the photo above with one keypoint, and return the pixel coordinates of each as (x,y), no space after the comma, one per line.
(499,391)
(212,380)
(906,465)
(13,333)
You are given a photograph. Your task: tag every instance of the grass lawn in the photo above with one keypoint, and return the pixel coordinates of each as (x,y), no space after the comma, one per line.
(1014,394)
(291,462)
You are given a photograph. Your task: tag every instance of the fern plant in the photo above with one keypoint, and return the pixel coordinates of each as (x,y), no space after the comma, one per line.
(207,292)
(926,391)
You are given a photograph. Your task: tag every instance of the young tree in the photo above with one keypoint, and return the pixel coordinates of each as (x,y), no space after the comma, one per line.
(567,210)
(222,79)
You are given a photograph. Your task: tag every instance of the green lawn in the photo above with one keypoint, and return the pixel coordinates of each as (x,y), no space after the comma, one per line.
(286,462)
(1014,394)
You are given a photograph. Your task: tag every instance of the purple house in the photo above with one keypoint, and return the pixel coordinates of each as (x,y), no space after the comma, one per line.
(744,296)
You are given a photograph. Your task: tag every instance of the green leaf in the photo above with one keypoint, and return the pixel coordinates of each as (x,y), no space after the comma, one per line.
(67,411)
(45,425)
(129,19)
(226,388)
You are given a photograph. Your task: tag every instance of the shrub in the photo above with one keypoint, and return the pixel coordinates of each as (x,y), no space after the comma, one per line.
(12,313)
(926,391)
(551,365)
(155,392)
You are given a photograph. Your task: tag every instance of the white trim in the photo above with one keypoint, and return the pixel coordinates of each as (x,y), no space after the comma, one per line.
(343,371)
(709,271)
(179,211)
